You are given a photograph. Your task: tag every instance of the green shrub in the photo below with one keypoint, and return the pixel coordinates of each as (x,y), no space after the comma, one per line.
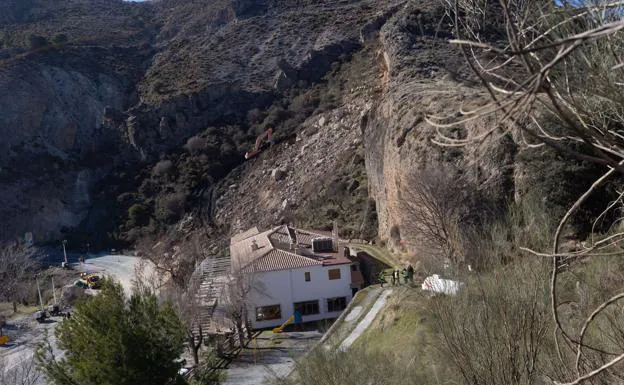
(138,215)
(59,39)
(36,41)
(164,167)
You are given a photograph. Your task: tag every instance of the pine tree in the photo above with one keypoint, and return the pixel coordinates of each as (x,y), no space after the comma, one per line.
(112,340)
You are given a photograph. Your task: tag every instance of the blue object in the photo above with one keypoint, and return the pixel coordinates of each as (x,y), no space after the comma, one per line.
(297,317)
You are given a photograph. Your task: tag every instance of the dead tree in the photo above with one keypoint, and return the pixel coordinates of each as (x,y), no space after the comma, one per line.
(243,284)
(556,80)
(171,272)
(174,255)
(188,307)
(433,205)
(236,300)
(17,264)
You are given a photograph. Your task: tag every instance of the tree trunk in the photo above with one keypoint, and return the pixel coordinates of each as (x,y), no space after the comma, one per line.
(196,346)
(195,351)
(240,332)
(14,306)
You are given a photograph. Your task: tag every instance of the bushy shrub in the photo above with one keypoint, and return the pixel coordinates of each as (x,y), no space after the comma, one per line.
(138,215)
(59,39)
(36,41)
(171,208)
(256,116)
(164,167)
(195,144)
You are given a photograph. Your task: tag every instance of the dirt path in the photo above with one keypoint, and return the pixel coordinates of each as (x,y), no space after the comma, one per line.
(345,324)
(366,322)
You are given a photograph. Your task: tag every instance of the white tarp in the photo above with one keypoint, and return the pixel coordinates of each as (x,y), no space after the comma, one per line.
(439,285)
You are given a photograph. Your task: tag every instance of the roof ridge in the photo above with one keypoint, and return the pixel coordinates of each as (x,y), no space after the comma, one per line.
(254,260)
(273,231)
(259,260)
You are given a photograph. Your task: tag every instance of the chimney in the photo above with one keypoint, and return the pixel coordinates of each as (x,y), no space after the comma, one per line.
(254,245)
(335,235)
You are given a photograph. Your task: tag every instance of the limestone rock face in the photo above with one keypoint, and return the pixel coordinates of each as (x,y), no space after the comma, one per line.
(98,102)
(55,114)
(60,108)
(399,141)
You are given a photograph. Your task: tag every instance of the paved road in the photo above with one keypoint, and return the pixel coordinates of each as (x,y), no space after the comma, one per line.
(269,356)
(119,267)
(26,333)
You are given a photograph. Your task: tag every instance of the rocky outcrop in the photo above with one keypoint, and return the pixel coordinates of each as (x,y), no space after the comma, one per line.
(301,180)
(90,105)
(59,109)
(53,120)
(399,141)
(47,205)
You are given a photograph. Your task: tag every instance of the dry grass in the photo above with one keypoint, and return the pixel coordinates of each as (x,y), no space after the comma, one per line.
(6,310)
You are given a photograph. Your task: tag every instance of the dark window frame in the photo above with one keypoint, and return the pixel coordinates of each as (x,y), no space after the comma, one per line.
(336,304)
(307,307)
(277,315)
(329,274)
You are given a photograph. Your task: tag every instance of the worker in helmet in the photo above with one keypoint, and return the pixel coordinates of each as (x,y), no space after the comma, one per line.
(382,278)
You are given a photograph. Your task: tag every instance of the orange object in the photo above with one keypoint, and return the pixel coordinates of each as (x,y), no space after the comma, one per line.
(260,140)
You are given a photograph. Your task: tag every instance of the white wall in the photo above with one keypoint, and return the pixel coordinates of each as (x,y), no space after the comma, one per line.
(285,287)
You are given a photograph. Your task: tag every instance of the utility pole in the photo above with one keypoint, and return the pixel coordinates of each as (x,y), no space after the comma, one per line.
(65,252)
(39,291)
(54,291)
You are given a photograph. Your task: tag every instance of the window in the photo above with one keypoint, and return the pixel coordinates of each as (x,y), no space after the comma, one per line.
(307,276)
(307,307)
(266,313)
(334,274)
(336,304)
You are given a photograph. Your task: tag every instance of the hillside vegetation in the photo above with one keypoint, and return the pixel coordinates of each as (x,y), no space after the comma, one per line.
(542,278)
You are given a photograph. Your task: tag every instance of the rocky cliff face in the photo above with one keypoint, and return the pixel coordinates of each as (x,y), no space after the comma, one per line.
(424,76)
(55,136)
(95,101)
(316,178)
(98,127)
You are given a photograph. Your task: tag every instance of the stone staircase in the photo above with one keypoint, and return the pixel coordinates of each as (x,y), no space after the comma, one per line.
(213,276)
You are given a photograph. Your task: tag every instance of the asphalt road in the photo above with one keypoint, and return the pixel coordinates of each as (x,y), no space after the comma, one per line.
(26,333)
(119,267)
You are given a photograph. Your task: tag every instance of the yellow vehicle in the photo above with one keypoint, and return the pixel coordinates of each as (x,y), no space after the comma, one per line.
(92,280)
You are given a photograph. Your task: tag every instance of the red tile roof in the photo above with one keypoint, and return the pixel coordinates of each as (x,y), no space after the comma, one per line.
(274,250)
(281,260)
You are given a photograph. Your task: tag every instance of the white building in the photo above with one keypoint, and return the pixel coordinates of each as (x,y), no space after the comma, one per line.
(288,273)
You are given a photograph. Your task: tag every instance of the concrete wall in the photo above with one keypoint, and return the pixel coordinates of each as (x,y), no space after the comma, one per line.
(285,287)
